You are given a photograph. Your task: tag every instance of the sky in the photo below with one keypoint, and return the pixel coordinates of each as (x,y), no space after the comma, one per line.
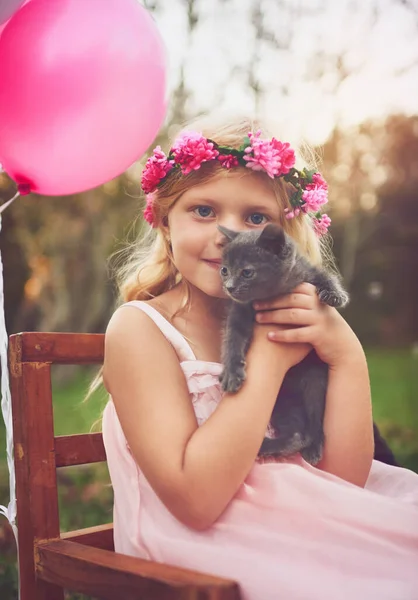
(380,53)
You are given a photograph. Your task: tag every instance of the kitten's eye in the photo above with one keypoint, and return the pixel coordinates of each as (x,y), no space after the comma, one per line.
(257,219)
(247,273)
(203,211)
(224,271)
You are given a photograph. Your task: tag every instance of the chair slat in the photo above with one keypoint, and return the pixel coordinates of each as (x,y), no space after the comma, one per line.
(111,576)
(80,449)
(47,564)
(100,536)
(37,502)
(60,348)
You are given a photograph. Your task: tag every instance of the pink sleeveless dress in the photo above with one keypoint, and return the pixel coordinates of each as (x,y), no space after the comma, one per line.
(291,531)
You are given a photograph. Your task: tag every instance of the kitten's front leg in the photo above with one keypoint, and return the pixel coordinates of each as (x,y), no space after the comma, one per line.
(329,288)
(237,338)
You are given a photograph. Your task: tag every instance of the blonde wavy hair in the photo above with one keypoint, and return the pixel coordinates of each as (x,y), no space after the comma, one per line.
(146,268)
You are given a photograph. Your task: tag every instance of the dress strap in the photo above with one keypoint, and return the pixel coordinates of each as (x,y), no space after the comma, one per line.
(176,339)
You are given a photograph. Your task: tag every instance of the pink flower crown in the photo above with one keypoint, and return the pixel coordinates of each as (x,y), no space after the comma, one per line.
(275,158)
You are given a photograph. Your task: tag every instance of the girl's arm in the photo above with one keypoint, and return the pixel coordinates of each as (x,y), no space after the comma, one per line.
(194,470)
(348,424)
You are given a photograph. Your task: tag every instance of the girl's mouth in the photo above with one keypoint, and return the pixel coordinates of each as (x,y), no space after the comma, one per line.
(215,264)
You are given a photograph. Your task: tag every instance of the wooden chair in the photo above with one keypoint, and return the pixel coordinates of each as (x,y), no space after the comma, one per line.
(83,561)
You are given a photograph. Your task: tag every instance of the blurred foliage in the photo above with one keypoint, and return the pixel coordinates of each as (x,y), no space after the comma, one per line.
(55,250)
(374,203)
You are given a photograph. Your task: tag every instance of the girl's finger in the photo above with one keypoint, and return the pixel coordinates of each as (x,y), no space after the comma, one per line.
(297,335)
(287,316)
(305,288)
(293,300)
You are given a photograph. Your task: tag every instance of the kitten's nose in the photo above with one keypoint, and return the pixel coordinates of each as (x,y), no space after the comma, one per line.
(229,287)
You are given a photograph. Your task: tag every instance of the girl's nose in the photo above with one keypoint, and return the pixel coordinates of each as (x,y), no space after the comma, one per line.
(231,224)
(220,239)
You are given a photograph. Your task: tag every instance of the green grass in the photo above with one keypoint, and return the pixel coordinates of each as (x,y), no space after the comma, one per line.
(85,495)
(394,383)
(72,412)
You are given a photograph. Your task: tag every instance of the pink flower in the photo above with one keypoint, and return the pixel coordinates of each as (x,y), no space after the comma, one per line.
(291,214)
(317,182)
(148,213)
(228,160)
(274,157)
(314,198)
(156,168)
(191,149)
(321,225)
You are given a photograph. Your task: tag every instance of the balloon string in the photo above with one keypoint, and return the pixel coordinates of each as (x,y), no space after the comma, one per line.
(6,402)
(8,203)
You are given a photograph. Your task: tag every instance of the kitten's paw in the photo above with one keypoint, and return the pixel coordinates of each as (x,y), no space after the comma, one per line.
(336,299)
(232,379)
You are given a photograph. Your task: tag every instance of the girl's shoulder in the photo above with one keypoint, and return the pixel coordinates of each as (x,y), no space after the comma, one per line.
(164,304)
(146,323)
(131,320)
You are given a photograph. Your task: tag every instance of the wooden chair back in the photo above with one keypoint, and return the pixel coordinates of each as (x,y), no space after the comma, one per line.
(83,560)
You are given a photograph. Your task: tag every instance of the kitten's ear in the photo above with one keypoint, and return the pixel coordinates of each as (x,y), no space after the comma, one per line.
(272,238)
(228,233)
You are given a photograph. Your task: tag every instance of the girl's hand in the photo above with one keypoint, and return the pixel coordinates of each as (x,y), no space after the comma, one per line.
(286,354)
(307,320)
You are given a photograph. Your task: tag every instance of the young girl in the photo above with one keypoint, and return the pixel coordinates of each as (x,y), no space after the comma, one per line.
(189,488)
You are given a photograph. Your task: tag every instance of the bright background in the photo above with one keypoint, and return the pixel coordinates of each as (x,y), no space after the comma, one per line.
(342,76)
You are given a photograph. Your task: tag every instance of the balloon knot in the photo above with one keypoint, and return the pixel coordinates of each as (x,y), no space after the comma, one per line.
(24,189)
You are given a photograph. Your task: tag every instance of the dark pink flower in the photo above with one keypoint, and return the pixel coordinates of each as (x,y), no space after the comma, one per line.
(321,225)
(228,160)
(272,156)
(314,198)
(317,182)
(148,212)
(156,168)
(191,149)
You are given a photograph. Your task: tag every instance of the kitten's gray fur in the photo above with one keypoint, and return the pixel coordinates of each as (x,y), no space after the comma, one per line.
(261,265)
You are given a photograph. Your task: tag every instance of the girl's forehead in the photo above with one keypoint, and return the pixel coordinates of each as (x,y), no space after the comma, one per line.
(247,188)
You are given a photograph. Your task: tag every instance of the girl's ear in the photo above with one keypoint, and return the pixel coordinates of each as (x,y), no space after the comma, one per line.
(164,227)
(228,233)
(272,238)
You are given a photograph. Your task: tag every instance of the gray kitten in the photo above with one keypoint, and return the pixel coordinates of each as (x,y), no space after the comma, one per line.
(258,265)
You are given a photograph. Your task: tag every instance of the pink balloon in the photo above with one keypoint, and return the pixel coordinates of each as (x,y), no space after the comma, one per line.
(82,92)
(8,8)
(3,16)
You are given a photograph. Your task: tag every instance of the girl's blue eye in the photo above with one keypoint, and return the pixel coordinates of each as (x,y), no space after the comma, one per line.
(203,211)
(257,218)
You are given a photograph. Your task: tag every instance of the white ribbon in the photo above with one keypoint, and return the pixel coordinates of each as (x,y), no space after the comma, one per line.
(3,207)
(6,400)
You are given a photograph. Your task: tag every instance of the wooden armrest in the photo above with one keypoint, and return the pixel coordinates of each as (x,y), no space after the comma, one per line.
(58,348)
(99,536)
(110,575)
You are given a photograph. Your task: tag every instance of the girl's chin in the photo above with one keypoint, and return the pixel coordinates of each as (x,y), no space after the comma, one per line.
(212,291)
(215,293)
(207,286)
